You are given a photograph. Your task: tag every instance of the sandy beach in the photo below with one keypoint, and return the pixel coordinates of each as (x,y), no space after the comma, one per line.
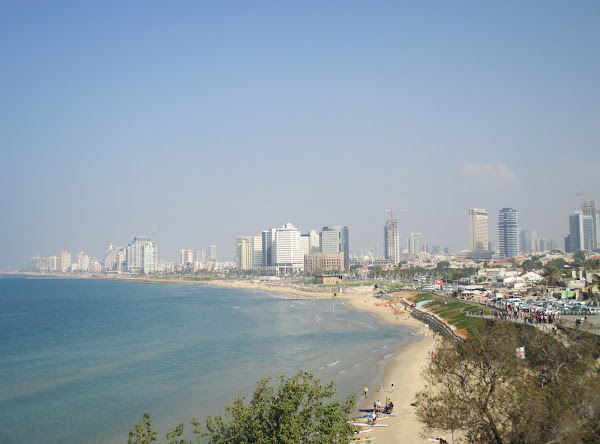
(404,370)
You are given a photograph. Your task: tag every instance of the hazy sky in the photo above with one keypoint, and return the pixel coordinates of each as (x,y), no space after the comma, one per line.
(209,120)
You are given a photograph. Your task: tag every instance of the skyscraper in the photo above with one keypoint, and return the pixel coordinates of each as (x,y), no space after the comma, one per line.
(257,252)
(508,232)
(478,229)
(415,243)
(288,255)
(391,241)
(528,241)
(590,208)
(142,255)
(335,240)
(212,253)
(243,253)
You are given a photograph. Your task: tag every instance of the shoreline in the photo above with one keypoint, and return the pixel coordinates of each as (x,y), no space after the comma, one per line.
(403,370)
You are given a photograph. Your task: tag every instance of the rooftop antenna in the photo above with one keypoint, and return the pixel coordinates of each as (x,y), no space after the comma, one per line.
(391,211)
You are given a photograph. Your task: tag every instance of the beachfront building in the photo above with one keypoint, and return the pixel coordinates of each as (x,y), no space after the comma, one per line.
(508,232)
(415,243)
(267,247)
(323,262)
(212,253)
(391,241)
(310,242)
(287,252)
(83,261)
(186,257)
(257,252)
(115,260)
(65,261)
(243,253)
(478,229)
(335,240)
(142,255)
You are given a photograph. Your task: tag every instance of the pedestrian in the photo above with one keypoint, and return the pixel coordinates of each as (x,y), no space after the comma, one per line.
(380,387)
(392,386)
(366,391)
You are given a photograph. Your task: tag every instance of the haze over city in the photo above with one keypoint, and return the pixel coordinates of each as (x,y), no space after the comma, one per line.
(208,121)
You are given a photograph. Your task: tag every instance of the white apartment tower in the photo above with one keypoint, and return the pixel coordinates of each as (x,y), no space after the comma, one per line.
(257,252)
(243,253)
(391,241)
(478,229)
(142,255)
(288,255)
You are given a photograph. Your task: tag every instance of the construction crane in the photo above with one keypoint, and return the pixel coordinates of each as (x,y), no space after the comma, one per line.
(580,194)
(154,233)
(391,211)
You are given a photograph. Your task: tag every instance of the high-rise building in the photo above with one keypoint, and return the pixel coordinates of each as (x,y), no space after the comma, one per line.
(243,253)
(310,242)
(508,232)
(115,260)
(83,261)
(478,229)
(257,252)
(52,263)
(590,208)
(267,245)
(186,257)
(287,252)
(212,253)
(528,241)
(415,243)
(142,255)
(391,241)
(65,261)
(335,240)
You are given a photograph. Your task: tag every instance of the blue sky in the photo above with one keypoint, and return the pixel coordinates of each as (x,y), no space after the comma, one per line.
(209,120)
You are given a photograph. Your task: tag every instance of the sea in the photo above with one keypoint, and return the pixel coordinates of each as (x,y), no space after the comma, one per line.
(81,360)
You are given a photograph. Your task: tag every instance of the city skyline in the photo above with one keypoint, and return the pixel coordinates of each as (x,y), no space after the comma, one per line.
(207,121)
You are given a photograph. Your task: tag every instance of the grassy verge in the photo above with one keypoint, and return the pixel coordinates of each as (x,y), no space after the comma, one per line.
(453,312)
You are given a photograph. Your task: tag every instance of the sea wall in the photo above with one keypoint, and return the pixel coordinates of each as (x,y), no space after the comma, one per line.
(435,323)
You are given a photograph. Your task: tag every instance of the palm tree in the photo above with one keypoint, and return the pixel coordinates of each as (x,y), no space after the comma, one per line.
(552,277)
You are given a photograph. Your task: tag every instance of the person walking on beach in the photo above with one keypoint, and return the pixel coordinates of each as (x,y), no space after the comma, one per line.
(380,387)
(366,391)
(392,387)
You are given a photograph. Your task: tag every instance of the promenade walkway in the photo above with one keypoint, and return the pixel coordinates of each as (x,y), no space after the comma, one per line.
(592,323)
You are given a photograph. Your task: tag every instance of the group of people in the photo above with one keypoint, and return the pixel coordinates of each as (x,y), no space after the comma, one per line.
(532,318)
(389,406)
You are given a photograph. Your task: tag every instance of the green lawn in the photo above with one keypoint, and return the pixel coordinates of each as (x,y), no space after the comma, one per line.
(453,311)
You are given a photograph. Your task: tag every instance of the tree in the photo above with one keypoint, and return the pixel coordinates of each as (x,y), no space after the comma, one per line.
(484,390)
(294,412)
(143,433)
(552,276)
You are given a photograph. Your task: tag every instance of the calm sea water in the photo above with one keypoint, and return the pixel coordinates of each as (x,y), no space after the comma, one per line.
(81,360)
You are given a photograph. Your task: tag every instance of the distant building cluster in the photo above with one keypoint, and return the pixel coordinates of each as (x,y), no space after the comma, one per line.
(196,260)
(139,257)
(285,250)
